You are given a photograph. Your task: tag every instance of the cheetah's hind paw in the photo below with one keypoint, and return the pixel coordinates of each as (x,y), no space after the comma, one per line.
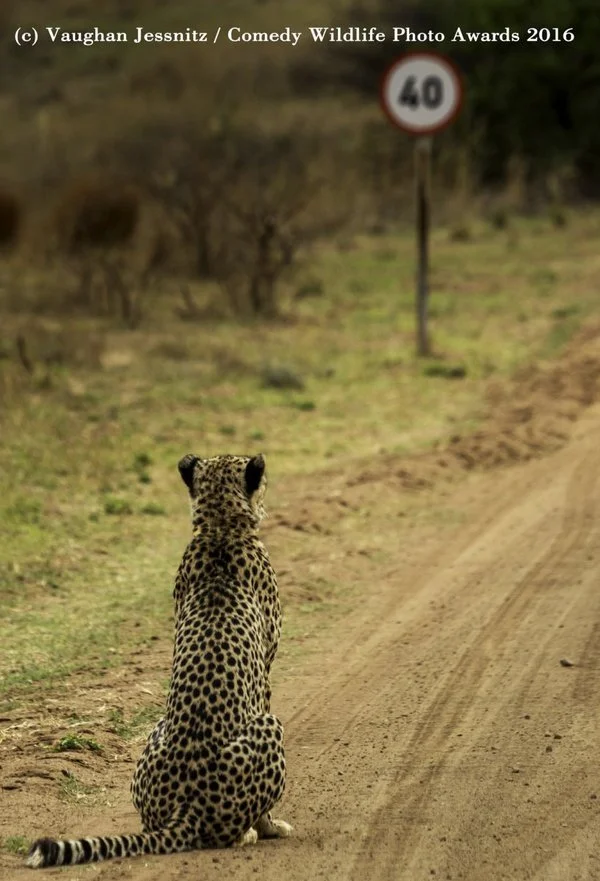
(249,837)
(268,828)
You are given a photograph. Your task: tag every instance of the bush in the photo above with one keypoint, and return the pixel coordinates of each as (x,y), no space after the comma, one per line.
(96,213)
(94,224)
(243,200)
(10,219)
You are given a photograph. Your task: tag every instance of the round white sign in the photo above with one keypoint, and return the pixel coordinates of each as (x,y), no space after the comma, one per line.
(422,92)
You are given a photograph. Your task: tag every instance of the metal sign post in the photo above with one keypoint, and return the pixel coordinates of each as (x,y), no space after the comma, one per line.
(421,93)
(423,192)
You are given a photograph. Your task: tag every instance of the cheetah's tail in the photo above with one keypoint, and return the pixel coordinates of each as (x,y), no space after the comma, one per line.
(49,852)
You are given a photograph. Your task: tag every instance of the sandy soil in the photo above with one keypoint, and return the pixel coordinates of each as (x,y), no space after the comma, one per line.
(434,733)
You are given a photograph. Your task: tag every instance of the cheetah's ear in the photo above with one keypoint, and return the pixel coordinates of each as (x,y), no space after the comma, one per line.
(186,469)
(254,473)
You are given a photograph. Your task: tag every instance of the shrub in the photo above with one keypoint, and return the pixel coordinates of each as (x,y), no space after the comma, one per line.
(96,213)
(10,218)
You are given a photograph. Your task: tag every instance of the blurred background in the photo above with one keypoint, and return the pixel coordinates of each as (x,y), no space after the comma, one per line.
(208,159)
(211,248)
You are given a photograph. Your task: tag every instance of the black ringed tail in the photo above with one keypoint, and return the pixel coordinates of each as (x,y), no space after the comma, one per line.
(51,852)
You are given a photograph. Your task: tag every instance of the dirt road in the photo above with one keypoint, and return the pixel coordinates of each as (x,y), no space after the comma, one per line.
(446,739)
(437,734)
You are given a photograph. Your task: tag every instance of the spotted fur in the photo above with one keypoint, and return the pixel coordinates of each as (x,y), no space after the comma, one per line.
(214,765)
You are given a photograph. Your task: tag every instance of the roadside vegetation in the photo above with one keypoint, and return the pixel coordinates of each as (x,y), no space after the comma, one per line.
(232,268)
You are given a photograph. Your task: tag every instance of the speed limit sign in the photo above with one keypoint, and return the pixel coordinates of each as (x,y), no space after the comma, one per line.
(421,92)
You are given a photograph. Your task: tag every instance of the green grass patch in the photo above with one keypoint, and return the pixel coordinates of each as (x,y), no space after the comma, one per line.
(116,506)
(563,312)
(445,371)
(76,742)
(16,844)
(140,723)
(305,406)
(567,320)
(154,509)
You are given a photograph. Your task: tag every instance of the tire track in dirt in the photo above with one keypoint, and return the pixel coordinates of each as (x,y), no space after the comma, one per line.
(367,649)
(525,776)
(369,660)
(386,848)
(363,691)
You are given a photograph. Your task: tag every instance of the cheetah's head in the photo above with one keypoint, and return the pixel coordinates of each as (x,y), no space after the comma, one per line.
(225,488)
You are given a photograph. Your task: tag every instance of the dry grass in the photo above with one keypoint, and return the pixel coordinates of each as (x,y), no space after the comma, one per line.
(87,463)
(103,385)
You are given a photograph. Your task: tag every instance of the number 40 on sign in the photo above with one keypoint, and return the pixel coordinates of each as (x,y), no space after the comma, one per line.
(421,93)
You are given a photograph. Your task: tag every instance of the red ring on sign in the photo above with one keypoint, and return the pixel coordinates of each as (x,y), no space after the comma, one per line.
(454,72)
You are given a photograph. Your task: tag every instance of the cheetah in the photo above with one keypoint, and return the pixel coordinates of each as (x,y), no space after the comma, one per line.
(214,766)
